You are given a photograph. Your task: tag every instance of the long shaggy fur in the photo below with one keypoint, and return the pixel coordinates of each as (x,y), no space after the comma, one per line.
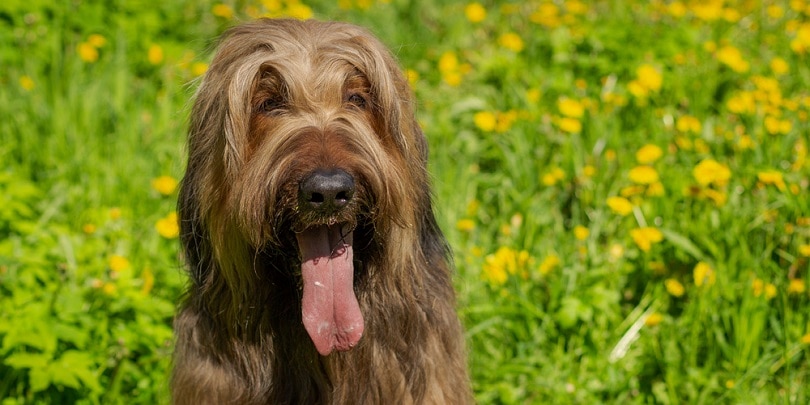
(283,99)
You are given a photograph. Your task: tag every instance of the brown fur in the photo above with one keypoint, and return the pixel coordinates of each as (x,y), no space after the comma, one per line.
(277,103)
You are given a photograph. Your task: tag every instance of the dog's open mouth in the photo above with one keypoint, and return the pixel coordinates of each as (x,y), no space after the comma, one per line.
(331,313)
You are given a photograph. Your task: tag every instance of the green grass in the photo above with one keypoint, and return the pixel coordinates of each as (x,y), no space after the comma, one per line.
(560,302)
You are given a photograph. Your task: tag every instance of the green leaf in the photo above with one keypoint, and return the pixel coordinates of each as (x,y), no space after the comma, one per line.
(682,242)
(27,360)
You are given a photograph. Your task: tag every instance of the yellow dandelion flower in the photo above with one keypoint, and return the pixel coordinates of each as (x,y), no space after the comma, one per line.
(485,121)
(412,76)
(168,227)
(475,12)
(648,154)
(804,250)
(570,108)
(732,57)
(570,125)
(87,52)
(448,62)
(709,171)
(155,54)
(796,286)
(88,228)
(805,339)
(533,95)
(645,237)
(299,11)
(547,14)
(770,291)
(148,281)
(581,232)
(465,225)
(643,175)
(688,123)
(674,287)
(654,319)
(620,205)
(588,171)
(96,40)
(164,184)
(118,263)
(115,213)
(649,77)
(757,286)
(27,83)
(637,89)
(109,289)
(548,264)
(704,275)
(779,66)
(772,177)
(199,68)
(677,9)
(222,10)
(511,41)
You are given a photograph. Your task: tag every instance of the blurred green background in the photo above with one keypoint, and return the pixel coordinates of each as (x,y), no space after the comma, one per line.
(624,185)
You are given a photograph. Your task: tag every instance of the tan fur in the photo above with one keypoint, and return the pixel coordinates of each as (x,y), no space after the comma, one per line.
(239,334)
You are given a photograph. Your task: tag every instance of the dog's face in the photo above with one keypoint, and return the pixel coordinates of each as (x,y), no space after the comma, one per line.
(308,132)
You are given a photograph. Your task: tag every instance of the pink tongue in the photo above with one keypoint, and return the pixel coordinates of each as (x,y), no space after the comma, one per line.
(330,310)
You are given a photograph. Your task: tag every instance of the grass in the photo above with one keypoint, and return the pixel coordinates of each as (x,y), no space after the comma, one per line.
(624,185)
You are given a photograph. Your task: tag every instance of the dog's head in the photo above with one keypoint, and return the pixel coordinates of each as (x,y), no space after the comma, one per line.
(303,140)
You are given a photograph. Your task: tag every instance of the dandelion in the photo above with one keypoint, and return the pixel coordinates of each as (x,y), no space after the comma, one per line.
(299,11)
(504,262)
(704,274)
(168,227)
(643,175)
(654,319)
(553,176)
(485,121)
(109,289)
(805,339)
(581,232)
(155,54)
(115,213)
(620,205)
(709,171)
(164,185)
(413,77)
(118,263)
(475,12)
(465,225)
(570,125)
(588,171)
(645,237)
(571,108)
(649,77)
(199,68)
(27,83)
(88,229)
(87,52)
(776,126)
(688,123)
(674,287)
(148,281)
(770,291)
(772,177)
(804,250)
(222,10)
(779,66)
(511,41)
(796,286)
(732,57)
(548,264)
(648,154)
(547,14)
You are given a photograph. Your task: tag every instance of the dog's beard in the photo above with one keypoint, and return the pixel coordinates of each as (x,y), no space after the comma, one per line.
(330,311)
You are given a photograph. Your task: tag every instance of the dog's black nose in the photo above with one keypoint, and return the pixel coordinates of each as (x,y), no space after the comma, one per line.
(326,190)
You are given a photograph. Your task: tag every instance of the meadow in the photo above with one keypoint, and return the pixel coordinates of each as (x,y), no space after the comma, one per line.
(624,185)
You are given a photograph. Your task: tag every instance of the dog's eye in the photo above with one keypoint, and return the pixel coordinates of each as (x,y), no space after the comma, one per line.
(357,100)
(272,105)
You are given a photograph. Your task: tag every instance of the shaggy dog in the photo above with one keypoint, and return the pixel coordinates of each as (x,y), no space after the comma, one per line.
(318,273)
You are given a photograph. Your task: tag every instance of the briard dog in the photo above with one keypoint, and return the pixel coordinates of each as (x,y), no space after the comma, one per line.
(318,272)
